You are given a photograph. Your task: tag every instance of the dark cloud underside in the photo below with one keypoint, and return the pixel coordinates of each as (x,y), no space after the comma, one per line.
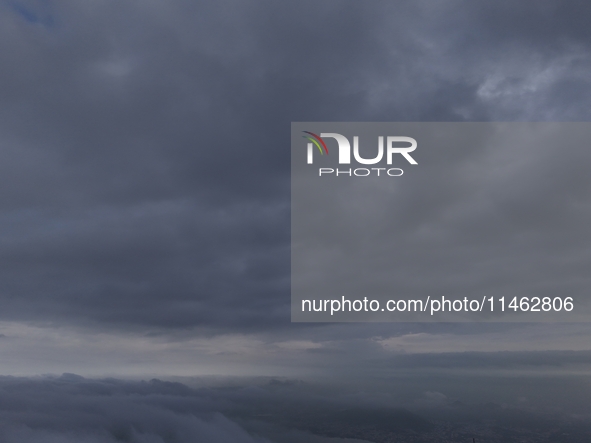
(144,169)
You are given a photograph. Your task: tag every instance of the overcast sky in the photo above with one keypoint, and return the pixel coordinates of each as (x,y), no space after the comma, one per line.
(144,174)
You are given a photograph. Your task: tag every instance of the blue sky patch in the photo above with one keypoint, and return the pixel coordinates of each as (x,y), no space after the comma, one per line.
(36,12)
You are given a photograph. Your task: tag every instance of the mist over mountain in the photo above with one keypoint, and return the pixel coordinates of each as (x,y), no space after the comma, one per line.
(72,408)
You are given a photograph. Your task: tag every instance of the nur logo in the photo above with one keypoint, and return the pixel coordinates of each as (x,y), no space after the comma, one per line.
(394,145)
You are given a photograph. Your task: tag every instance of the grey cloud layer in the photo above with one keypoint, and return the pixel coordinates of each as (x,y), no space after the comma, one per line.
(71,409)
(145,147)
(74,409)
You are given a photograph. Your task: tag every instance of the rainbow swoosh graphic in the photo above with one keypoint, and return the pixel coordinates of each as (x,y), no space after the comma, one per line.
(317,141)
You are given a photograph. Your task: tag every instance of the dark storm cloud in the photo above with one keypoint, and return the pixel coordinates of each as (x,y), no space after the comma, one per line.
(144,171)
